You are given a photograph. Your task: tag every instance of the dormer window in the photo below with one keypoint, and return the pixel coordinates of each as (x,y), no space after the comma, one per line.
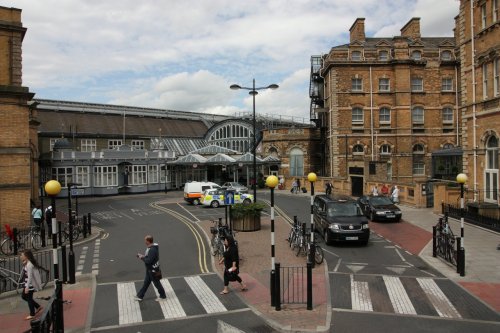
(356,55)
(416,55)
(446,55)
(383,55)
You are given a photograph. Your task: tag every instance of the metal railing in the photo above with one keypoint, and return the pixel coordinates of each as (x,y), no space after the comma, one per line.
(444,243)
(52,319)
(293,285)
(12,266)
(473,217)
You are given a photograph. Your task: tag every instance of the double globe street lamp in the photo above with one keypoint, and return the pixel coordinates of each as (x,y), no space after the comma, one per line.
(253,91)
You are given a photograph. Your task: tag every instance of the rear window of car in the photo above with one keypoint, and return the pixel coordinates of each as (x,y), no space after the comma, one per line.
(335,209)
(380,201)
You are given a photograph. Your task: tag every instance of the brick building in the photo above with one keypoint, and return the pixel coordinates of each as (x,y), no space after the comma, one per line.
(477,27)
(385,105)
(18,134)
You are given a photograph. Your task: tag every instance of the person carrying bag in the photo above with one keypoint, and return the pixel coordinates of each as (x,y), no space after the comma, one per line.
(151,260)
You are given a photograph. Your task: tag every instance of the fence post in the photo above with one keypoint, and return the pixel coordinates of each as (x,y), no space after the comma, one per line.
(434,241)
(309,287)
(277,286)
(59,322)
(42,233)
(14,233)
(89,221)
(84,228)
(35,326)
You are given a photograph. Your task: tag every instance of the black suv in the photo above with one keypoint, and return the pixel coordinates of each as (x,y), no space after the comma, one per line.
(339,218)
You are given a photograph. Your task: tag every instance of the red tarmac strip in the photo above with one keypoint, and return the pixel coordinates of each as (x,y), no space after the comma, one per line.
(408,236)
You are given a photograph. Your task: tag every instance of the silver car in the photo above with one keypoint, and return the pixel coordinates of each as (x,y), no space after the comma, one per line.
(235,186)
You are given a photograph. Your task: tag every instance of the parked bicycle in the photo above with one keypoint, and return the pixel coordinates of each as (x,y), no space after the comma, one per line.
(296,232)
(219,231)
(445,242)
(11,280)
(304,247)
(25,240)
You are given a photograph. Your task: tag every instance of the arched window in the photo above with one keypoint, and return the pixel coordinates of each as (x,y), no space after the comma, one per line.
(296,162)
(491,170)
(418,160)
(273,151)
(385,149)
(448,146)
(358,149)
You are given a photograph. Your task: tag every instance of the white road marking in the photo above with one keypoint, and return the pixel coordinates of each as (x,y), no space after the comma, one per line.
(206,297)
(171,307)
(360,296)
(399,298)
(128,308)
(338,264)
(438,299)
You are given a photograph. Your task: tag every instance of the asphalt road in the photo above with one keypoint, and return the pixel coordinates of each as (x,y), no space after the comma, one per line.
(377,268)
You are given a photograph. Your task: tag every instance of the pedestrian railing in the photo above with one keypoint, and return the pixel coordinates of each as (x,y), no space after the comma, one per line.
(51,319)
(444,243)
(10,270)
(293,285)
(472,216)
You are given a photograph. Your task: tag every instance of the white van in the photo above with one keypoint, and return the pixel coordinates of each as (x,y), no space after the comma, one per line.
(194,190)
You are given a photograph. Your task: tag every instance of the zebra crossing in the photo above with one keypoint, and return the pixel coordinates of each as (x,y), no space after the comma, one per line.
(186,296)
(86,265)
(420,296)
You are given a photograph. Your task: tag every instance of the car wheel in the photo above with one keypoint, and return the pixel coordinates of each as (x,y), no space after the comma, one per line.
(196,202)
(214,204)
(327,238)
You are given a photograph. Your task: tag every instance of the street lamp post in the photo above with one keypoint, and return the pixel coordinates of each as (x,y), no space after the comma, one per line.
(461,179)
(71,256)
(271,182)
(312,250)
(253,91)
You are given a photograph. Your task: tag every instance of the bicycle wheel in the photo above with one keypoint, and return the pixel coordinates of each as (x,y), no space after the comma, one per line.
(7,246)
(318,255)
(213,246)
(36,241)
(76,233)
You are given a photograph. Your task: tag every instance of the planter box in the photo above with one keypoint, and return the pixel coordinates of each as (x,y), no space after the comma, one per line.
(247,223)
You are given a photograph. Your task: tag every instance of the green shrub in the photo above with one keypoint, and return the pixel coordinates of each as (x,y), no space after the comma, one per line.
(241,210)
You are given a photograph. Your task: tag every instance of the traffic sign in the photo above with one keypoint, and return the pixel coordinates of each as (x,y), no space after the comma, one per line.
(229,198)
(77,191)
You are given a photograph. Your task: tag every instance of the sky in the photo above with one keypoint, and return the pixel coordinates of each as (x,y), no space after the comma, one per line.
(184,54)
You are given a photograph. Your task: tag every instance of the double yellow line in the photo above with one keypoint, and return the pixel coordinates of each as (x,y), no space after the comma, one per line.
(202,253)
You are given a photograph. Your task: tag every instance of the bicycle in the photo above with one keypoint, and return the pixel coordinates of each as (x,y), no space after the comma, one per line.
(295,234)
(305,248)
(31,240)
(219,232)
(446,242)
(14,279)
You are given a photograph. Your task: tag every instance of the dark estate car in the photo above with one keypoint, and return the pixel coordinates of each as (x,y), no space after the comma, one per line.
(340,219)
(379,208)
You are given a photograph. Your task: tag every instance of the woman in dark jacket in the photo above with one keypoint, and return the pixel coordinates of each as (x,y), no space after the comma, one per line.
(231,262)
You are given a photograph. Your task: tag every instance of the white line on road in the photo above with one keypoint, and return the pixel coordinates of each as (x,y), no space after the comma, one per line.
(128,308)
(206,297)
(438,299)
(399,298)
(360,295)
(171,307)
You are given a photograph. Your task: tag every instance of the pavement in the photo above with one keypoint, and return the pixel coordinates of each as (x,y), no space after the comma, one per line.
(482,277)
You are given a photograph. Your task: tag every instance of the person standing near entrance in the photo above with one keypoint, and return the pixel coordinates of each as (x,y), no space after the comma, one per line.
(151,258)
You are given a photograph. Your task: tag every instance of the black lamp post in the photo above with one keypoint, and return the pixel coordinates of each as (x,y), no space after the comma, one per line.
(253,92)
(461,179)
(312,250)
(271,182)
(71,256)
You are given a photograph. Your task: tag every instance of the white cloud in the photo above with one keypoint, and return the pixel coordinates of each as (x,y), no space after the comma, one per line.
(184,54)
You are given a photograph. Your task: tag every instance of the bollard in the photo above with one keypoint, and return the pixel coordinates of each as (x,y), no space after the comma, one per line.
(42,234)
(64,264)
(295,220)
(309,287)
(434,241)
(59,321)
(459,243)
(84,229)
(16,245)
(277,287)
(35,326)
(89,224)
(461,254)
(273,287)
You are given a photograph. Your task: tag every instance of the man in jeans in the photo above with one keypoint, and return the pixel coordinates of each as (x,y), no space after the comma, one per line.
(151,259)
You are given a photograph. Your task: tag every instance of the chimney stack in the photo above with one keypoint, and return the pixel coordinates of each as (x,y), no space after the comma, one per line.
(357,30)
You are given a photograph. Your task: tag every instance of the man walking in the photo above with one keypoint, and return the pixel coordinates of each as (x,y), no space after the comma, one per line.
(151,259)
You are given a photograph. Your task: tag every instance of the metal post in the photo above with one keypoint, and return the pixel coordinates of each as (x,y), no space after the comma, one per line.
(277,287)
(462,241)
(230,221)
(59,306)
(42,227)
(64,266)
(434,241)
(309,286)
(253,92)
(89,225)
(312,249)
(459,257)
(16,245)
(55,256)
(84,229)
(273,267)
(71,255)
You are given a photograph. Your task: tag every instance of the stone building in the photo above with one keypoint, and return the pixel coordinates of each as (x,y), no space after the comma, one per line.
(477,33)
(384,106)
(18,126)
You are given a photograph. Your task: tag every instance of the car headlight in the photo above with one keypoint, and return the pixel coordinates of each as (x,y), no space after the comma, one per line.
(380,213)
(398,213)
(334,226)
(365,226)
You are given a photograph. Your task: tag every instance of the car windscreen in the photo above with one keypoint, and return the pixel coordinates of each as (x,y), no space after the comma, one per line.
(335,209)
(380,201)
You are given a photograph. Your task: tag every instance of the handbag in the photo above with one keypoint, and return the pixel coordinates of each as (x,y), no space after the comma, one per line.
(157,274)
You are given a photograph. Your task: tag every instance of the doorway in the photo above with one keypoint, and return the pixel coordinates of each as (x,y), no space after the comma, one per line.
(356,186)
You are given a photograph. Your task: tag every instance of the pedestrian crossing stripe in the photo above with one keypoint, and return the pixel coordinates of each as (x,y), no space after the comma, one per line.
(207,298)
(420,296)
(170,307)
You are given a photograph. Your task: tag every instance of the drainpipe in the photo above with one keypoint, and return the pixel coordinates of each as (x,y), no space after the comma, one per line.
(371,112)
(456,105)
(473,54)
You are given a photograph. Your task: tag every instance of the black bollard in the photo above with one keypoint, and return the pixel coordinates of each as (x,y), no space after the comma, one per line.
(84,228)
(273,287)
(89,223)
(277,287)
(64,264)
(309,287)
(434,241)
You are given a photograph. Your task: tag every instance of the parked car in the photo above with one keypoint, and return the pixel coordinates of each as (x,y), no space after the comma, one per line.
(216,197)
(194,190)
(379,208)
(340,218)
(235,186)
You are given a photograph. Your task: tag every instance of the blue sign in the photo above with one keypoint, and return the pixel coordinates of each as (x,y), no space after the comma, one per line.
(229,198)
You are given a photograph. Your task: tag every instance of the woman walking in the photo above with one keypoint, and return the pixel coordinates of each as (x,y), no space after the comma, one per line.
(231,262)
(32,281)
